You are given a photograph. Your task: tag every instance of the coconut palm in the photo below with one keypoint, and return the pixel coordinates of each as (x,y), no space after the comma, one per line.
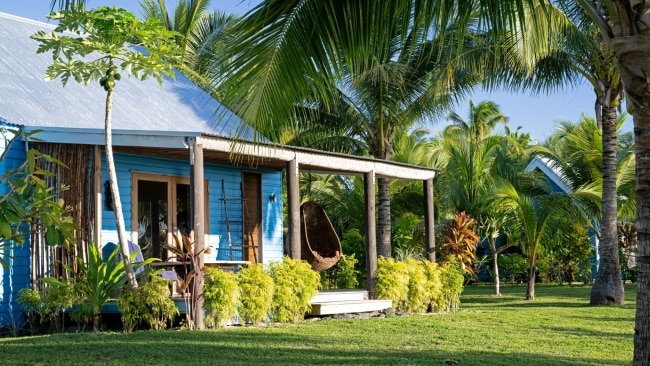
(200,34)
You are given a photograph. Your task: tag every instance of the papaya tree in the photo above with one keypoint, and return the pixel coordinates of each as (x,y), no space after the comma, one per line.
(98,46)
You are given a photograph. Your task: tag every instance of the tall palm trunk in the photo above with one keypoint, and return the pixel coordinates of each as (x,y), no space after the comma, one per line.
(608,287)
(632,53)
(117,203)
(383,220)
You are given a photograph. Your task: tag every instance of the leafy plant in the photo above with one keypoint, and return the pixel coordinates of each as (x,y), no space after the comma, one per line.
(452,278)
(342,275)
(155,293)
(256,288)
(149,303)
(418,291)
(33,306)
(97,280)
(183,249)
(459,242)
(408,237)
(352,242)
(432,273)
(515,267)
(294,285)
(392,282)
(30,206)
(221,294)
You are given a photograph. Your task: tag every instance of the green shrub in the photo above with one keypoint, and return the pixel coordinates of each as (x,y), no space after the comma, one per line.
(452,278)
(33,306)
(155,293)
(58,300)
(514,266)
(342,275)
(354,243)
(256,293)
(149,303)
(221,296)
(417,300)
(294,285)
(392,281)
(432,273)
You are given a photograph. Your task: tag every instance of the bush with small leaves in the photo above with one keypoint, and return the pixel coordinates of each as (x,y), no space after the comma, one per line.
(221,296)
(294,285)
(436,298)
(256,293)
(392,281)
(417,300)
(342,275)
(452,278)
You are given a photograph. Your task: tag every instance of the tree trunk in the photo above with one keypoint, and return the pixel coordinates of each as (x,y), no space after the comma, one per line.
(117,203)
(642,149)
(384,225)
(608,287)
(495,263)
(530,291)
(632,53)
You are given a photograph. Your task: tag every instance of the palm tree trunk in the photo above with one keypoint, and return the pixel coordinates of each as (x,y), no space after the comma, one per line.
(495,264)
(384,225)
(117,203)
(642,143)
(530,291)
(608,287)
(632,53)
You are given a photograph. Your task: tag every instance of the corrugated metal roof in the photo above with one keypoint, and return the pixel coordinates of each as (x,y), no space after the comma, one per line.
(26,98)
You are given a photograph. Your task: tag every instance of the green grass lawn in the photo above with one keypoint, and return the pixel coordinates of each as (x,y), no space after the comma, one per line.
(559,328)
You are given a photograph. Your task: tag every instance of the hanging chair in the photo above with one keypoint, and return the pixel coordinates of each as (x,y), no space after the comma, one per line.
(321,246)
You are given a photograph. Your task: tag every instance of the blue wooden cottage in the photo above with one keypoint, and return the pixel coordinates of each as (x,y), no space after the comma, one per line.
(179,168)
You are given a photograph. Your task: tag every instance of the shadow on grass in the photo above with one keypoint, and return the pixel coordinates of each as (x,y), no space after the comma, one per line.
(244,347)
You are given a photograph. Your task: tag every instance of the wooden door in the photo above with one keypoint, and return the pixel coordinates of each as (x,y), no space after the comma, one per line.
(252,192)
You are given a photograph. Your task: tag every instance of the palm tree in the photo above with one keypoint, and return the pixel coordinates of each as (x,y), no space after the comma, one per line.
(473,159)
(578,151)
(200,34)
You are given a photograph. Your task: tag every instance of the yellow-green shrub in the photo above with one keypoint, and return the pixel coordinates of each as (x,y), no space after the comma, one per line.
(392,281)
(452,279)
(221,296)
(436,299)
(418,293)
(256,293)
(294,285)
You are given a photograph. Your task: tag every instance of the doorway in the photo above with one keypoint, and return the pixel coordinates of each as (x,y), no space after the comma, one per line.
(252,214)
(162,206)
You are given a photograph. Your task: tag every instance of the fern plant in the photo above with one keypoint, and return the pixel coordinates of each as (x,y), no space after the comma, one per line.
(221,296)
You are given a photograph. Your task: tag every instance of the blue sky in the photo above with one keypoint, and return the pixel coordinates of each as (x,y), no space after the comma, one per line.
(535,114)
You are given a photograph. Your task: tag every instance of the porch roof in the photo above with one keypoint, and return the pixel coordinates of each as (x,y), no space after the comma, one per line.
(245,154)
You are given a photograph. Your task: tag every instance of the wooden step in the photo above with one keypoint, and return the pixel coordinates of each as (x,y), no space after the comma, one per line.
(352,306)
(339,295)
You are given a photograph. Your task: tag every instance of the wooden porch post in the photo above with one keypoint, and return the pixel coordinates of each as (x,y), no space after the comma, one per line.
(429,227)
(371,232)
(293,209)
(196,159)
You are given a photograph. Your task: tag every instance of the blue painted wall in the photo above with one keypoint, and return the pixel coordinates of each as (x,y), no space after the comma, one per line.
(17,276)
(272,236)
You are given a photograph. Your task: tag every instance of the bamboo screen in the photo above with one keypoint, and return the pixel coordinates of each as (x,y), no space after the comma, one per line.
(77,176)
